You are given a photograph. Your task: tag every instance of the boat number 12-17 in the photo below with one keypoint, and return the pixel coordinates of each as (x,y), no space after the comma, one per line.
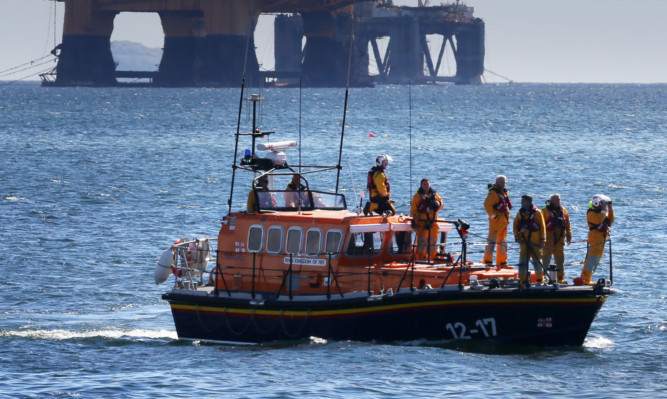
(487,327)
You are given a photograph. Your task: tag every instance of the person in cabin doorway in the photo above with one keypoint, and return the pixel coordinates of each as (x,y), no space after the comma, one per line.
(497,205)
(296,194)
(600,216)
(557,223)
(424,209)
(261,192)
(530,232)
(379,188)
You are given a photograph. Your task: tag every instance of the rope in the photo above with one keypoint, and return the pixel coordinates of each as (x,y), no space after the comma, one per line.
(32,65)
(24,64)
(26,77)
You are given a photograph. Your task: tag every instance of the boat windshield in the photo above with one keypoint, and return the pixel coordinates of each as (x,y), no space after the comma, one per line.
(285,200)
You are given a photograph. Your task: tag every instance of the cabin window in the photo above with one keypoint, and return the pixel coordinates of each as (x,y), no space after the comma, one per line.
(365,244)
(333,240)
(401,242)
(294,237)
(255,238)
(313,242)
(274,240)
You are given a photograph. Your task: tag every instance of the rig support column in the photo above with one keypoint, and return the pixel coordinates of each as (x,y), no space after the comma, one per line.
(287,44)
(182,42)
(223,51)
(329,36)
(85,52)
(470,54)
(406,61)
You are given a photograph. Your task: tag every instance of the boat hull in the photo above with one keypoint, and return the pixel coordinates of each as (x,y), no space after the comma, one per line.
(542,317)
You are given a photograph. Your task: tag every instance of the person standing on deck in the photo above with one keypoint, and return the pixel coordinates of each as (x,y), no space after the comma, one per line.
(557,222)
(424,209)
(379,188)
(531,234)
(497,205)
(600,217)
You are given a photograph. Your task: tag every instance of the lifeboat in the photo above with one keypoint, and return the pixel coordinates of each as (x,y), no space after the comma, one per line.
(300,265)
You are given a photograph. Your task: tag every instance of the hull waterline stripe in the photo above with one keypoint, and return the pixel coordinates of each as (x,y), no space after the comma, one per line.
(379,309)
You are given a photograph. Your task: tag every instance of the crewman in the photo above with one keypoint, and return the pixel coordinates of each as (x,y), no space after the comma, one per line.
(600,217)
(531,234)
(424,211)
(497,206)
(379,188)
(557,223)
(266,200)
(296,194)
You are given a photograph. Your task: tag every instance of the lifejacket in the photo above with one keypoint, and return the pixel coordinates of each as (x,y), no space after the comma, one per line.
(370,179)
(601,227)
(423,204)
(528,223)
(505,203)
(556,222)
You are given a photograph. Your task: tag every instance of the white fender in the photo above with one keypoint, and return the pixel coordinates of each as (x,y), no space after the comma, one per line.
(164,265)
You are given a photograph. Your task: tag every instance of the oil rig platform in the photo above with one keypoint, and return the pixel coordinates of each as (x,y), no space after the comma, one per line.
(210,43)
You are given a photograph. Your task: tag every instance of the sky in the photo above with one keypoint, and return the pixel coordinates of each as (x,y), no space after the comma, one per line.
(565,41)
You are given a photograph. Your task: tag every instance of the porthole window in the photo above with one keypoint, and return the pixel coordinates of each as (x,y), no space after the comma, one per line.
(274,240)
(313,242)
(255,238)
(294,238)
(333,241)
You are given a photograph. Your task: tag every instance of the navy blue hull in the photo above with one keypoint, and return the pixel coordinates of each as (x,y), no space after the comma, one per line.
(532,317)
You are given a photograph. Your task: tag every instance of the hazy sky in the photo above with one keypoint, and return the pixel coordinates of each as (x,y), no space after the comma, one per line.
(526,40)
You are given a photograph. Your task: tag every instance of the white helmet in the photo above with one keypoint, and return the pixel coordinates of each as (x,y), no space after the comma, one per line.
(383,157)
(599,200)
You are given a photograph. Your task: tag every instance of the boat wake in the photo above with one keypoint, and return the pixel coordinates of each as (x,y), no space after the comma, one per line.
(598,342)
(59,335)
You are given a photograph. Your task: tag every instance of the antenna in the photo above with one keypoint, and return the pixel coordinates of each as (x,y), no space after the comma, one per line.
(300,97)
(347,92)
(410,127)
(238,120)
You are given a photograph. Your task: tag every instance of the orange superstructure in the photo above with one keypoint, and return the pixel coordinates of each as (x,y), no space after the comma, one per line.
(320,251)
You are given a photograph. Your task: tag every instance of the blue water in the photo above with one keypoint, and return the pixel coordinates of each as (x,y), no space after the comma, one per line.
(96,183)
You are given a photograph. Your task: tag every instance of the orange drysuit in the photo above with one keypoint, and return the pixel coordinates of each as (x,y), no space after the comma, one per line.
(557,222)
(497,206)
(424,209)
(599,224)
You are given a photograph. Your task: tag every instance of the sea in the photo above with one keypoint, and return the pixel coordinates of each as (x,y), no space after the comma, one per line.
(96,183)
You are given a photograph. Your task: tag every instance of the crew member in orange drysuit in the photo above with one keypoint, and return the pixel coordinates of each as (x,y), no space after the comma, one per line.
(379,188)
(497,206)
(600,217)
(557,223)
(531,234)
(424,211)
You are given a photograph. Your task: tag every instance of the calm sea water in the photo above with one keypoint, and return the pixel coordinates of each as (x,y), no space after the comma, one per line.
(96,183)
